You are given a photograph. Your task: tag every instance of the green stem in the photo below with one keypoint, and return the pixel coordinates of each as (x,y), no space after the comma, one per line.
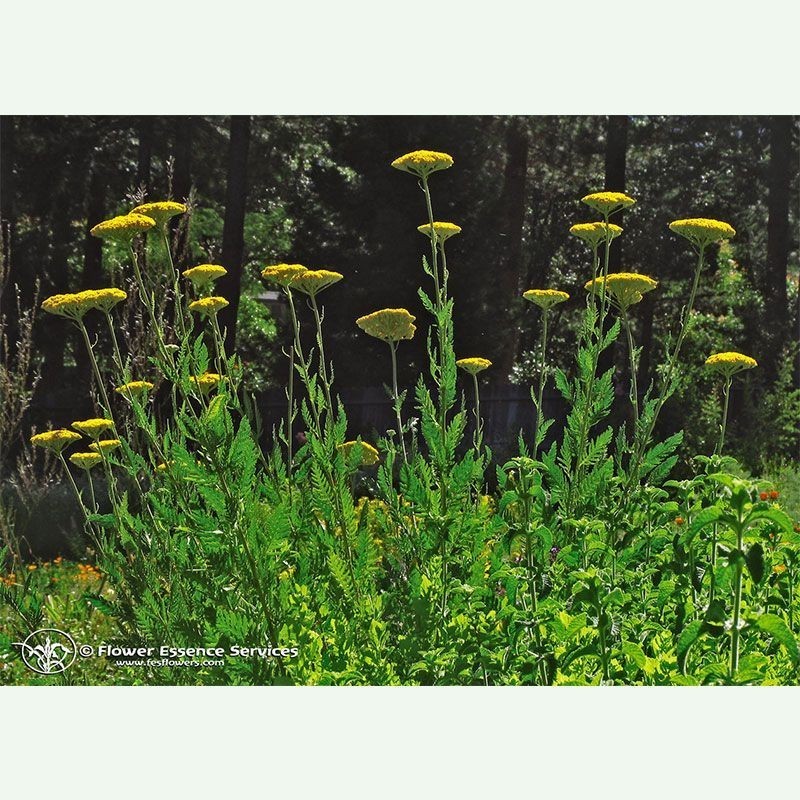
(666,390)
(290,412)
(727,393)
(91,491)
(74,487)
(100,385)
(179,312)
(632,356)
(737,605)
(323,367)
(478,421)
(542,381)
(396,395)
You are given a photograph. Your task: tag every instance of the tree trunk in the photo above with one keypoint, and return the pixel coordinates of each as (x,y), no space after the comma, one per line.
(616,153)
(92,277)
(9,275)
(181,183)
(233,231)
(144,158)
(778,240)
(512,209)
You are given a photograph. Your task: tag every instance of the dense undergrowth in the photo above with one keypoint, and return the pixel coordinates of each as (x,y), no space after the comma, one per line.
(388,562)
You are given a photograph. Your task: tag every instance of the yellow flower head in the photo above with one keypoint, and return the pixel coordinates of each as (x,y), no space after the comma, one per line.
(423,162)
(473,365)
(606,203)
(208,306)
(55,440)
(624,288)
(162,467)
(388,324)
(545,298)
(73,306)
(86,460)
(160,212)
(205,382)
(204,275)
(702,232)
(122,228)
(369,455)
(103,299)
(283,274)
(105,445)
(728,364)
(93,427)
(441,230)
(135,389)
(593,233)
(313,281)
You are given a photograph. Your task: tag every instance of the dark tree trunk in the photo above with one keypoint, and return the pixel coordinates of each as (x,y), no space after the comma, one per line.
(7,228)
(182,182)
(616,154)
(511,216)
(144,158)
(54,339)
(778,239)
(92,277)
(233,231)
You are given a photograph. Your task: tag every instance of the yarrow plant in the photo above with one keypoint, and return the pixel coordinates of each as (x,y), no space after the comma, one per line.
(394,560)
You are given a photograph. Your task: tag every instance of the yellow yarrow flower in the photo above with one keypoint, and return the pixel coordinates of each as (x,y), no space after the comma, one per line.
(105,445)
(86,460)
(423,162)
(606,203)
(204,275)
(55,440)
(104,299)
(93,427)
(441,230)
(208,306)
(160,212)
(593,233)
(313,281)
(702,232)
(283,274)
(388,324)
(728,364)
(134,389)
(123,228)
(369,455)
(76,304)
(624,288)
(473,365)
(72,306)
(205,382)
(545,298)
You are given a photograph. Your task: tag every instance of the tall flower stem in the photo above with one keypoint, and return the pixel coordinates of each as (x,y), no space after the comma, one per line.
(290,412)
(442,334)
(91,491)
(397,403)
(478,419)
(74,486)
(723,426)
(149,302)
(737,606)
(667,388)
(323,367)
(179,313)
(90,350)
(542,380)
(632,356)
(117,354)
(598,333)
